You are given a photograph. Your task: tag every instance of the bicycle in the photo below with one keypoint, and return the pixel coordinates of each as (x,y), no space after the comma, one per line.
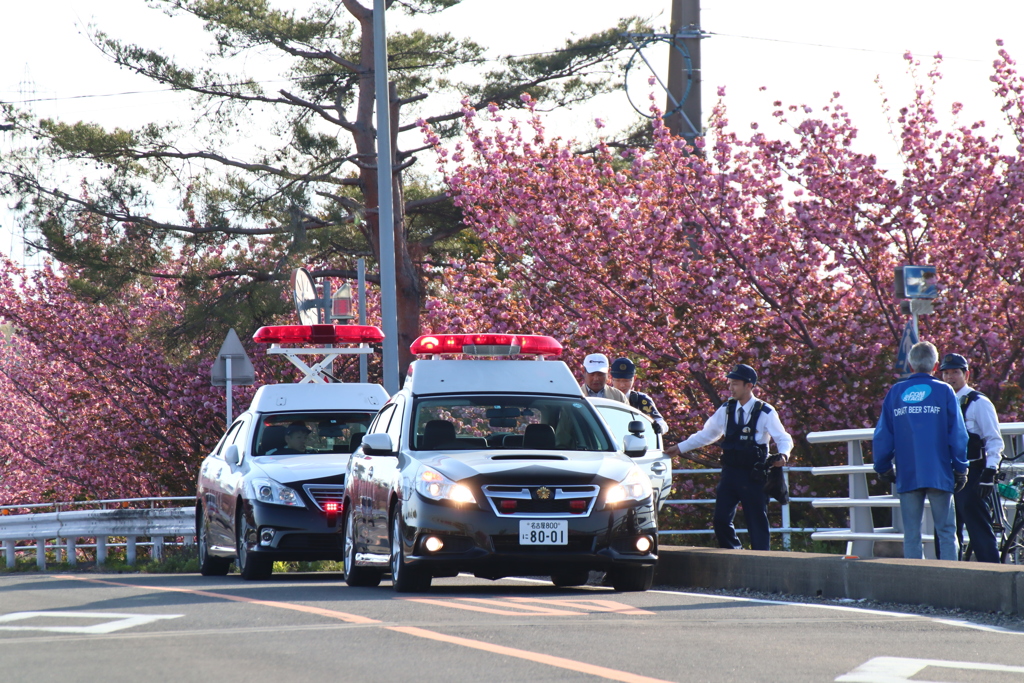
(1009,531)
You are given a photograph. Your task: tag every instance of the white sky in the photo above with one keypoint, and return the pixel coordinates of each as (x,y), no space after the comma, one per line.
(801,50)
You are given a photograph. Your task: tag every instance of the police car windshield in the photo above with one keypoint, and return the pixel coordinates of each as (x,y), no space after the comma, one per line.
(339,432)
(507,422)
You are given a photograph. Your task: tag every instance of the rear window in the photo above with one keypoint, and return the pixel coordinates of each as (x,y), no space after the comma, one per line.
(507,422)
(337,432)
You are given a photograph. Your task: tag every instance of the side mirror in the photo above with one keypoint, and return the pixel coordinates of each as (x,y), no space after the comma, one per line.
(378,444)
(232,455)
(635,427)
(634,446)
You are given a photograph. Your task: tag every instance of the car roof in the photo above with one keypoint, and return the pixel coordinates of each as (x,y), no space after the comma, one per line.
(279,398)
(440,376)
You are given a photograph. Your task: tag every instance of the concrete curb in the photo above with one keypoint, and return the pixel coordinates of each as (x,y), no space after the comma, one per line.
(951,585)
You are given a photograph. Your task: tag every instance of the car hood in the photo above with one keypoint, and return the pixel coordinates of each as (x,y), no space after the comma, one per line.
(529,466)
(288,469)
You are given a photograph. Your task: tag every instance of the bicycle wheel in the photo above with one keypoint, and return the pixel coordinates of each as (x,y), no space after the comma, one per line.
(1012,549)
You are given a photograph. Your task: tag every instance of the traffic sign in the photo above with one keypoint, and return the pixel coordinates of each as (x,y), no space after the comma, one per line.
(241,371)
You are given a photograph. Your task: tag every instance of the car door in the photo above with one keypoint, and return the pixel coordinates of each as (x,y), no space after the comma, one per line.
(382,475)
(657,465)
(233,478)
(362,468)
(213,477)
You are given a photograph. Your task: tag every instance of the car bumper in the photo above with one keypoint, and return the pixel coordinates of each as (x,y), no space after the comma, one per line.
(487,545)
(297,534)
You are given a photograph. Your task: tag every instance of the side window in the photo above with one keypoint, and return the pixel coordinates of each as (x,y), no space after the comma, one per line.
(394,428)
(619,421)
(228,438)
(241,435)
(380,423)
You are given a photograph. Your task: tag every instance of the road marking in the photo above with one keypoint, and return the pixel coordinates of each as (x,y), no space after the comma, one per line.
(344,616)
(116,621)
(550,660)
(515,606)
(896,669)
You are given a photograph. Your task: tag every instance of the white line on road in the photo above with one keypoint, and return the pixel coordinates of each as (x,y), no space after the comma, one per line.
(898,669)
(116,621)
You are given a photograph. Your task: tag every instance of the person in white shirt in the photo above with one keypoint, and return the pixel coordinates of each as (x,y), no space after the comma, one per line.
(747,425)
(984,450)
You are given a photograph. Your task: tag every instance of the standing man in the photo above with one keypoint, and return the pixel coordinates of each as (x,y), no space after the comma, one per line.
(623,377)
(595,379)
(922,428)
(747,424)
(984,450)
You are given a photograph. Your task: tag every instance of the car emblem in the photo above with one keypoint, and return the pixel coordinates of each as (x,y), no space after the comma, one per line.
(543,493)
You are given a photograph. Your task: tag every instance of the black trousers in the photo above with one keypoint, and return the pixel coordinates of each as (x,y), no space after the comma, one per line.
(736,487)
(972,513)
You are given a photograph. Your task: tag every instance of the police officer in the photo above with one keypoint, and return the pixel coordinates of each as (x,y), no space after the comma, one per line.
(747,424)
(595,379)
(623,375)
(984,450)
(921,429)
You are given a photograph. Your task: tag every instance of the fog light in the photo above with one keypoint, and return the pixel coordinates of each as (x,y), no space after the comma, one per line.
(643,544)
(433,544)
(267,536)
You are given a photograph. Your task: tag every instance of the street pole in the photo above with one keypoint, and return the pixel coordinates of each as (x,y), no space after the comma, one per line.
(227,388)
(361,293)
(385,203)
(688,121)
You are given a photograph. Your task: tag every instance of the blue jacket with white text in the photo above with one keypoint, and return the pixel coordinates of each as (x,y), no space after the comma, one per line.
(921,426)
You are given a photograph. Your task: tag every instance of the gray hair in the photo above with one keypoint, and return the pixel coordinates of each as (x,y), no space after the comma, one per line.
(923,357)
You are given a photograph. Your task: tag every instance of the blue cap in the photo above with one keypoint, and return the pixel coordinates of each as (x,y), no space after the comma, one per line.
(623,368)
(953,361)
(744,373)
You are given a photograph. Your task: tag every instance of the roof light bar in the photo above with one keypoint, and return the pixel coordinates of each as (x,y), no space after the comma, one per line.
(486,345)
(318,334)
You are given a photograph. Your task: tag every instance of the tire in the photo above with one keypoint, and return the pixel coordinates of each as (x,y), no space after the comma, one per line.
(1012,551)
(361,577)
(566,579)
(251,565)
(404,578)
(209,565)
(626,578)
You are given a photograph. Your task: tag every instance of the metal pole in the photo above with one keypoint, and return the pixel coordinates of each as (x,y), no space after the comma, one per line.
(361,293)
(688,121)
(385,207)
(227,387)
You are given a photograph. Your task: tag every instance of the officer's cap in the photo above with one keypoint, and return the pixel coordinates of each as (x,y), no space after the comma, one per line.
(296,427)
(744,373)
(623,368)
(953,361)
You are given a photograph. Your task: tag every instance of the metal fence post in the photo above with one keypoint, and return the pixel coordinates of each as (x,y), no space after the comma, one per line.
(72,551)
(157,552)
(860,517)
(41,553)
(787,538)
(130,551)
(9,552)
(101,550)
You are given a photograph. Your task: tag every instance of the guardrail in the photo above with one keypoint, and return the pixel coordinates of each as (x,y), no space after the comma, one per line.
(64,531)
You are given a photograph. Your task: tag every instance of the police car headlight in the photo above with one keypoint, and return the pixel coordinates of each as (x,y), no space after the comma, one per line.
(432,484)
(636,486)
(269,491)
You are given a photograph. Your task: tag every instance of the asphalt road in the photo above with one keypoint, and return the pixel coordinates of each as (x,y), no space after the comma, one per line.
(312,627)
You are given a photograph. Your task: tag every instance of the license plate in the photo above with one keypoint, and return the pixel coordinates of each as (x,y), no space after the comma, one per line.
(544,532)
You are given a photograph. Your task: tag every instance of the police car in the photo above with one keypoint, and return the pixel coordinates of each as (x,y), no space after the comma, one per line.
(496,467)
(272,488)
(624,419)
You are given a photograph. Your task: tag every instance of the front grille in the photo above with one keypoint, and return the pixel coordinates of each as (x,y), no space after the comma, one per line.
(510,544)
(312,542)
(325,493)
(542,501)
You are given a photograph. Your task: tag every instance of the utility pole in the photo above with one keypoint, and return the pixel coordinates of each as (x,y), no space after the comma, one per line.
(687,121)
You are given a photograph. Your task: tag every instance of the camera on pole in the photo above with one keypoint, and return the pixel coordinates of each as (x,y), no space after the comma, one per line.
(917,287)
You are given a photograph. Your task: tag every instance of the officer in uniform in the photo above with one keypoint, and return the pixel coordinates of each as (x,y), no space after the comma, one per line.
(623,375)
(595,379)
(747,424)
(984,450)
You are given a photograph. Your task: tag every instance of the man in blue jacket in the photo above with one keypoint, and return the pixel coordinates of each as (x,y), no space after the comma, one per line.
(922,428)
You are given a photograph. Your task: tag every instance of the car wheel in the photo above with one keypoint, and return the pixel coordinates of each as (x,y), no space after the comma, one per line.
(357,576)
(631,578)
(209,565)
(250,565)
(404,578)
(564,579)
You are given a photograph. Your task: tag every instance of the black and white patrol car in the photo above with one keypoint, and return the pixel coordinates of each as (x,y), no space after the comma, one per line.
(272,488)
(497,468)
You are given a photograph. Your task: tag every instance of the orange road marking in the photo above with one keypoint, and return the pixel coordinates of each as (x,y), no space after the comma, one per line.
(518,611)
(344,616)
(550,660)
(589,605)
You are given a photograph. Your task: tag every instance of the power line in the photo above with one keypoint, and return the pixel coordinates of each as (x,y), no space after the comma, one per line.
(837,47)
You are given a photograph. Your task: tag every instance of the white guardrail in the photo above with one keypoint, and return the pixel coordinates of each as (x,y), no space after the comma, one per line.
(63,532)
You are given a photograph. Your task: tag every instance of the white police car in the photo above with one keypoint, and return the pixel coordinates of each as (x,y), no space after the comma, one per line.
(498,468)
(272,488)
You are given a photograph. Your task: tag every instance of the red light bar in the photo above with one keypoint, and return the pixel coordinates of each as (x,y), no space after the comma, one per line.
(486,345)
(318,334)
(331,506)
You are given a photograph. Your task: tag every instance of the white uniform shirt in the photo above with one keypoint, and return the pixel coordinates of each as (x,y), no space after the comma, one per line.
(768,426)
(981,419)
